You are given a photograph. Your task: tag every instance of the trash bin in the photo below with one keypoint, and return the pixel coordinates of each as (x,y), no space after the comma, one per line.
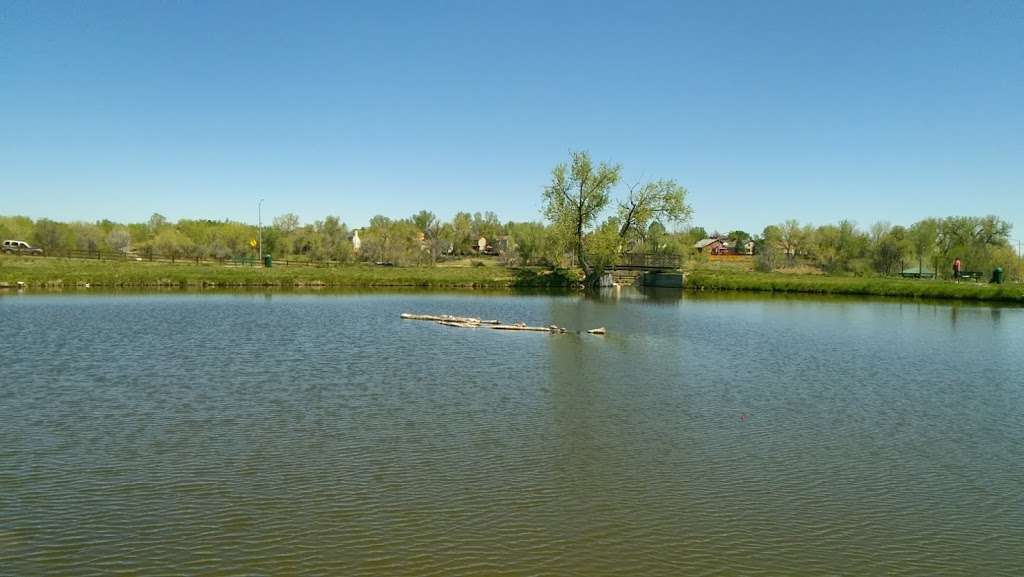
(267,262)
(997,275)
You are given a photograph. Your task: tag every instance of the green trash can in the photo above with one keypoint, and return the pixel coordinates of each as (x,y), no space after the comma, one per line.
(997,275)
(267,262)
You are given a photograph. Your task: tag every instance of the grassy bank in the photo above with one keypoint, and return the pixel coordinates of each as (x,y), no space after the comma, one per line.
(59,272)
(842,285)
(70,273)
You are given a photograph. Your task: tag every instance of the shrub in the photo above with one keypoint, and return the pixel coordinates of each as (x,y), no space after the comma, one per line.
(766,260)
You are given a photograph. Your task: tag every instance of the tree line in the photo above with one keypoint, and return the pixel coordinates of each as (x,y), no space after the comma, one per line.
(590,220)
(929,245)
(422,239)
(419,239)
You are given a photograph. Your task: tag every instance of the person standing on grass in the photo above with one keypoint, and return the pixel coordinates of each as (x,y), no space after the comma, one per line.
(956,269)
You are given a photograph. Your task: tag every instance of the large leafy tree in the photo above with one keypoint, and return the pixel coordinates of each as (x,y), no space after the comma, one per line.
(739,240)
(119,240)
(792,238)
(462,232)
(171,243)
(425,222)
(659,201)
(51,235)
(922,236)
(579,194)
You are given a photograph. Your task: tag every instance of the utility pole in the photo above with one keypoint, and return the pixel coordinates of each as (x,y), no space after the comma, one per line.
(259,228)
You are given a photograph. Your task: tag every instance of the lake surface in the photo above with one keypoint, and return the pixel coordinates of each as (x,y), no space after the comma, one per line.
(319,434)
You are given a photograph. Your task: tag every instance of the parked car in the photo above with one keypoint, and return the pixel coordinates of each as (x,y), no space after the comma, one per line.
(19,247)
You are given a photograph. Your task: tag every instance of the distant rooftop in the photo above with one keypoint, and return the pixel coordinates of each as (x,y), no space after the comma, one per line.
(705,242)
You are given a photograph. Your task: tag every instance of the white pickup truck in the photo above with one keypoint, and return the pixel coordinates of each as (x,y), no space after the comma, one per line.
(19,247)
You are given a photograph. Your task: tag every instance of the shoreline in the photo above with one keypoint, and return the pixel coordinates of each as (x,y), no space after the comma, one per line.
(703,280)
(63,273)
(67,274)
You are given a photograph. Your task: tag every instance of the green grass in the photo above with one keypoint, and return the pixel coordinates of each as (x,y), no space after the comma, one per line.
(843,285)
(69,273)
(60,272)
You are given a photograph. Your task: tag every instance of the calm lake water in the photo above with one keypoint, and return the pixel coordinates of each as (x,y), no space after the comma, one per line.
(319,434)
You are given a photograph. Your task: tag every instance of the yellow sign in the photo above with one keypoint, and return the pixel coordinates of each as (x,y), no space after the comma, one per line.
(252,243)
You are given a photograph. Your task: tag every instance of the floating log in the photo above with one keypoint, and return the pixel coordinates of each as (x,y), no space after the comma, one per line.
(523,327)
(475,323)
(448,318)
(459,325)
(597,331)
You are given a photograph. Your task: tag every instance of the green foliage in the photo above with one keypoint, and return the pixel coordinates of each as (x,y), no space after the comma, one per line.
(531,243)
(58,272)
(286,224)
(461,233)
(53,237)
(660,201)
(739,239)
(399,242)
(836,246)
(922,237)
(842,248)
(119,240)
(579,192)
(766,258)
(889,248)
(425,222)
(172,243)
(792,239)
(604,245)
(16,227)
(85,236)
(486,225)
(975,240)
(850,285)
(656,239)
(156,222)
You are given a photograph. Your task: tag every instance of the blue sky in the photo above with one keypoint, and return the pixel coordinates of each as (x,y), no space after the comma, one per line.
(764,110)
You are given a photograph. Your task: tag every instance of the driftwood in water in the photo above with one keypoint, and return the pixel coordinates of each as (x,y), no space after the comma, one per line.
(460,325)
(475,323)
(524,327)
(448,318)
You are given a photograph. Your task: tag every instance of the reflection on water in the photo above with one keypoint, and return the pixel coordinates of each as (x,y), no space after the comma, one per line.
(310,434)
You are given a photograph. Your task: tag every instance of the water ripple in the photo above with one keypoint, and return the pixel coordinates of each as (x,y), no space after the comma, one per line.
(297,435)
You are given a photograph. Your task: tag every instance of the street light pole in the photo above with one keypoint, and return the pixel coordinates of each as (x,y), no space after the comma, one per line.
(259,228)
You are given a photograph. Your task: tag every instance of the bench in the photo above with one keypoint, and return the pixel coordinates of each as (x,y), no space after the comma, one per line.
(971,275)
(917,274)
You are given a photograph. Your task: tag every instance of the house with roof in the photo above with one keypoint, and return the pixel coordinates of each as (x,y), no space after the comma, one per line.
(720,246)
(712,246)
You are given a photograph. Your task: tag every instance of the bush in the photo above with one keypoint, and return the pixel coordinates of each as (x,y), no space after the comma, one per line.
(766,260)
(861,267)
